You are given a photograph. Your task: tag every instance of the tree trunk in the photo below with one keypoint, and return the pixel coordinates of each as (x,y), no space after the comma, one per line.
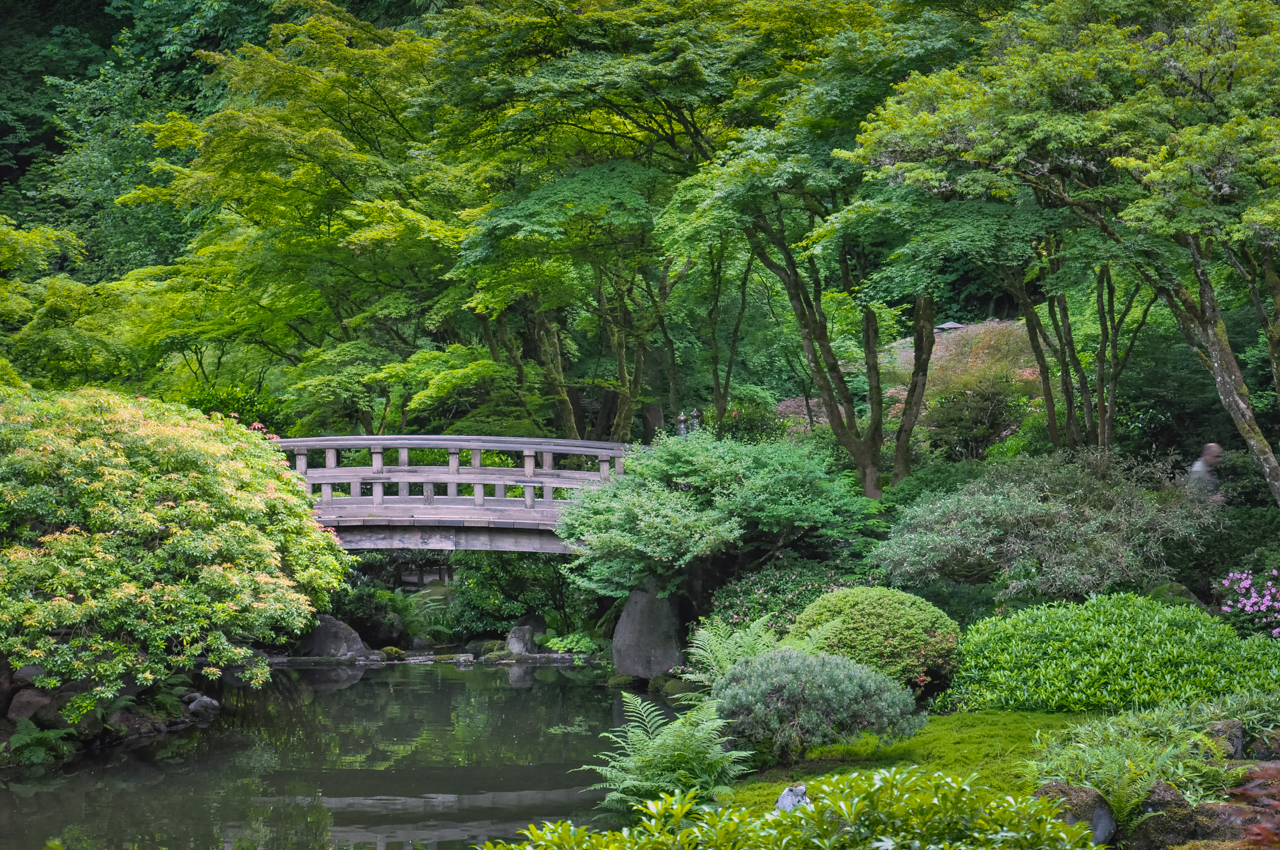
(548,336)
(1014,285)
(922,352)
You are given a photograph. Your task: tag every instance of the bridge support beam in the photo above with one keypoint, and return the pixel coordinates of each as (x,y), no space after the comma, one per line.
(451,538)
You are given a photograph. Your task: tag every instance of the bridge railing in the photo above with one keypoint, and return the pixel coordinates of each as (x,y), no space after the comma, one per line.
(537,480)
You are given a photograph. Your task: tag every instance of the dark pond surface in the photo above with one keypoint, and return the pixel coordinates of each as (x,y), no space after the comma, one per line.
(393,758)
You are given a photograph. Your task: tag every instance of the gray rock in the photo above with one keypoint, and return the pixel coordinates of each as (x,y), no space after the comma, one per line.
(1265,747)
(466,659)
(1082,805)
(27,702)
(1172,823)
(187,699)
(1222,821)
(25,677)
(645,642)
(332,638)
(793,798)
(1229,734)
(205,705)
(520,641)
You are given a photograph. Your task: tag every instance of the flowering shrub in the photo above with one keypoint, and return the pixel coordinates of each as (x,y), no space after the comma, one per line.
(778,592)
(1251,599)
(137,538)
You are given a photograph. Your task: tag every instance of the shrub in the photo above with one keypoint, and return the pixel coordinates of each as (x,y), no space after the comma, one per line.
(1251,599)
(898,634)
(784,702)
(657,756)
(1064,525)
(779,592)
(1112,652)
(861,811)
(137,537)
(380,616)
(711,506)
(1125,755)
(493,590)
(967,423)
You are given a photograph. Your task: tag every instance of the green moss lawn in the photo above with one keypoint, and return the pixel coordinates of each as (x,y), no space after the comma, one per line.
(992,744)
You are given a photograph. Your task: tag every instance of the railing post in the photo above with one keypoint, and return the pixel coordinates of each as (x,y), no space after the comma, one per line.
(604,466)
(528,463)
(376,454)
(326,490)
(300,461)
(618,466)
(404,457)
(451,489)
(477,490)
(548,491)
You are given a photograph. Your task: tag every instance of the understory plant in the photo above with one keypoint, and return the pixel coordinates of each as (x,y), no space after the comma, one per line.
(897,808)
(778,591)
(138,538)
(785,702)
(1062,526)
(901,635)
(1251,596)
(31,745)
(656,755)
(1124,755)
(1112,652)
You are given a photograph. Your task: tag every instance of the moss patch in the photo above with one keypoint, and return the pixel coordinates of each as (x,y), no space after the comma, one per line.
(992,744)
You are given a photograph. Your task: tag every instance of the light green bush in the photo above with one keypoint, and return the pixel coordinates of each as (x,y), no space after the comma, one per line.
(657,756)
(866,811)
(1112,652)
(137,537)
(898,634)
(784,702)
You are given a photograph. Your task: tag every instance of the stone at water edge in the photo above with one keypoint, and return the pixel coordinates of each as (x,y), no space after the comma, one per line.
(205,705)
(1172,823)
(332,638)
(1082,805)
(28,702)
(520,641)
(645,642)
(792,798)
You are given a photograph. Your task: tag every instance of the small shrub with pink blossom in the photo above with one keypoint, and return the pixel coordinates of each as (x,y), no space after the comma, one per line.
(1251,597)
(779,591)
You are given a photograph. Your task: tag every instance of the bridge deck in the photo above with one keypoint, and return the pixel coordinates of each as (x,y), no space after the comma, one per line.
(455,506)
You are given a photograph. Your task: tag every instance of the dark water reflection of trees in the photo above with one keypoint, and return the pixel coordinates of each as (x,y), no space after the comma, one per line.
(333,757)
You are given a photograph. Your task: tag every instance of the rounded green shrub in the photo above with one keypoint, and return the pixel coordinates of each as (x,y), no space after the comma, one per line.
(780,591)
(784,702)
(1112,652)
(901,635)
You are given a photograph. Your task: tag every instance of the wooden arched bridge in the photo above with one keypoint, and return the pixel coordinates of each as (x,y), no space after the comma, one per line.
(492,493)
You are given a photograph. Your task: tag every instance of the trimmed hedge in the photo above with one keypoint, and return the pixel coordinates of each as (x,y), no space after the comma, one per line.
(888,808)
(1112,652)
(901,635)
(784,702)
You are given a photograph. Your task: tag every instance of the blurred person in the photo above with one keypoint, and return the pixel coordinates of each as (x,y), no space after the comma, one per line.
(1201,476)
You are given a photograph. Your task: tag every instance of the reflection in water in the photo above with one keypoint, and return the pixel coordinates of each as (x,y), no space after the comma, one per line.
(404,757)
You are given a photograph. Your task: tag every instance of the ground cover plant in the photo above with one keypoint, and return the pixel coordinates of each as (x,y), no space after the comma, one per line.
(139,538)
(782,703)
(1112,653)
(901,635)
(889,808)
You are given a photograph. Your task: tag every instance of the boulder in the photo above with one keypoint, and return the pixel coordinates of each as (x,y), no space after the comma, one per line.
(25,677)
(1082,805)
(7,687)
(332,638)
(1222,821)
(535,621)
(27,702)
(520,641)
(1171,822)
(1265,747)
(1229,735)
(646,640)
(205,706)
(793,797)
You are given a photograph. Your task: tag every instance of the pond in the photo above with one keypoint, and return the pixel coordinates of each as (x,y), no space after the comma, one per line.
(401,757)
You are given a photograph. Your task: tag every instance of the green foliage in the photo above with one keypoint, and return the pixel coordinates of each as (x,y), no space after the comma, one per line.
(893,632)
(778,591)
(576,642)
(935,479)
(1059,525)
(245,404)
(31,745)
(492,590)
(965,424)
(750,422)
(784,702)
(1123,756)
(380,616)
(1112,652)
(697,504)
(718,645)
(137,537)
(891,808)
(657,756)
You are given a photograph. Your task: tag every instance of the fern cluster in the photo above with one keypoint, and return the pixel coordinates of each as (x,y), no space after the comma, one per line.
(656,755)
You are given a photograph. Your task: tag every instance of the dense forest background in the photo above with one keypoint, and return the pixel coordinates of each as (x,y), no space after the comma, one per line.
(584,219)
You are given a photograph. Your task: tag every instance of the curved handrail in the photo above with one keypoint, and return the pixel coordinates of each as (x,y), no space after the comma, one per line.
(436,441)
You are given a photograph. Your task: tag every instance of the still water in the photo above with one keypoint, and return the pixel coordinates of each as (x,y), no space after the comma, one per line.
(402,757)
